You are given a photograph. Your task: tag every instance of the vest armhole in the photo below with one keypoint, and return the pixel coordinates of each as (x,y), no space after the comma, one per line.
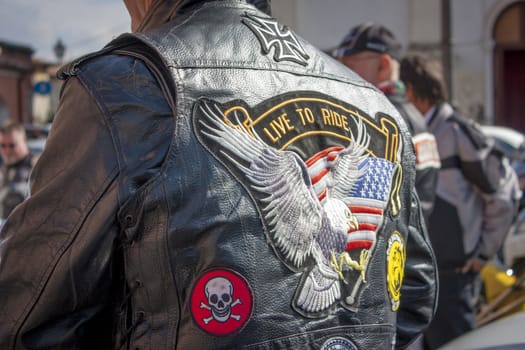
(157,67)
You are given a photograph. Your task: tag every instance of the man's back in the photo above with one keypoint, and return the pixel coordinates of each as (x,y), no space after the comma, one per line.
(271,210)
(471,174)
(266,137)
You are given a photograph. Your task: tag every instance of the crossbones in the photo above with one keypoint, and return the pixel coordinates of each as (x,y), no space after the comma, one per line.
(209,319)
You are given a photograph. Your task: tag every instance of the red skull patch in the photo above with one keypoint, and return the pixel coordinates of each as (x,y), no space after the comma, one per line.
(221,302)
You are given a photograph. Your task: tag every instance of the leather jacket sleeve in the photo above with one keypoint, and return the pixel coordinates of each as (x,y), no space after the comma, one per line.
(56,248)
(494,181)
(499,211)
(419,290)
(61,250)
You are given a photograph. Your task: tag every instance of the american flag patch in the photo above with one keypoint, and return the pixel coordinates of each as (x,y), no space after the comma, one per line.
(318,167)
(369,198)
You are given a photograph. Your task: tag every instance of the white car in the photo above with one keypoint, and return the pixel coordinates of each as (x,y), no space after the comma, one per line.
(504,334)
(510,141)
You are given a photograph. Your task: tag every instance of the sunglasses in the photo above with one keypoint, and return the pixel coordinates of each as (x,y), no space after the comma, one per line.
(7,145)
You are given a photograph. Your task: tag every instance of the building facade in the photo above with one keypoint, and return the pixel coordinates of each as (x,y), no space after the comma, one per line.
(46,91)
(481,44)
(16,69)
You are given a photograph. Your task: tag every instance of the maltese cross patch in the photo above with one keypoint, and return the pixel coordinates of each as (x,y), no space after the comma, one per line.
(285,45)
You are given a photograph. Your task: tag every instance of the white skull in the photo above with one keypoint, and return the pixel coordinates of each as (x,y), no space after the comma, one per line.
(219,292)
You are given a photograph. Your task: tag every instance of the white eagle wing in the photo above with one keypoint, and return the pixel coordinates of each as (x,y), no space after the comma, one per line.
(321,288)
(347,169)
(291,209)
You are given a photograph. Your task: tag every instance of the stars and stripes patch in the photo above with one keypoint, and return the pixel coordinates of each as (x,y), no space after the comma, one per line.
(370,197)
(367,199)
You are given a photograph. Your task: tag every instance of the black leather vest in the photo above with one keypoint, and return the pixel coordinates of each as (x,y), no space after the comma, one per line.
(279,217)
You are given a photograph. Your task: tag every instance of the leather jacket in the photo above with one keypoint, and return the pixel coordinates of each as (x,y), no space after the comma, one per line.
(221,190)
(425,145)
(476,193)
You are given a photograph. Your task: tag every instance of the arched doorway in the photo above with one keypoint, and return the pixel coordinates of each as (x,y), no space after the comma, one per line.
(509,67)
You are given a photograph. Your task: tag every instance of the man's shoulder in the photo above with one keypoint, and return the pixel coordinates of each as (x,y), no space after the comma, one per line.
(414,119)
(469,128)
(108,65)
(111,67)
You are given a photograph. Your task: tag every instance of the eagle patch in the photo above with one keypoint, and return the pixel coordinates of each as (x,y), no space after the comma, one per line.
(321,208)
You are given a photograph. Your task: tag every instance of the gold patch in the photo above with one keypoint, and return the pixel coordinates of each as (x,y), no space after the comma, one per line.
(395,266)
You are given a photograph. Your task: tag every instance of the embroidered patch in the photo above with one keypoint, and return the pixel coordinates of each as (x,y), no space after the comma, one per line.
(221,302)
(427,155)
(395,257)
(338,343)
(321,209)
(283,41)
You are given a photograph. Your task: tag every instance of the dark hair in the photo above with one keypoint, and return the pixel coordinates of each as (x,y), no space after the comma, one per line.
(425,77)
(13,127)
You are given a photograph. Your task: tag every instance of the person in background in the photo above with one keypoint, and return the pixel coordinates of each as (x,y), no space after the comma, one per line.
(474,207)
(214,181)
(372,51)
(17,163)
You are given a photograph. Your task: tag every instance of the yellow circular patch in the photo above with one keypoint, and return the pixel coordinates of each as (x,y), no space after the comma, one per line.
(395,267)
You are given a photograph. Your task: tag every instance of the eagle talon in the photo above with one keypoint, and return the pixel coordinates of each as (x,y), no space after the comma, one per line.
(346,260)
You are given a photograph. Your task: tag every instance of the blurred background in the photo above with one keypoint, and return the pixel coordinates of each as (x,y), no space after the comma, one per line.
(481,44)
(36,37)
